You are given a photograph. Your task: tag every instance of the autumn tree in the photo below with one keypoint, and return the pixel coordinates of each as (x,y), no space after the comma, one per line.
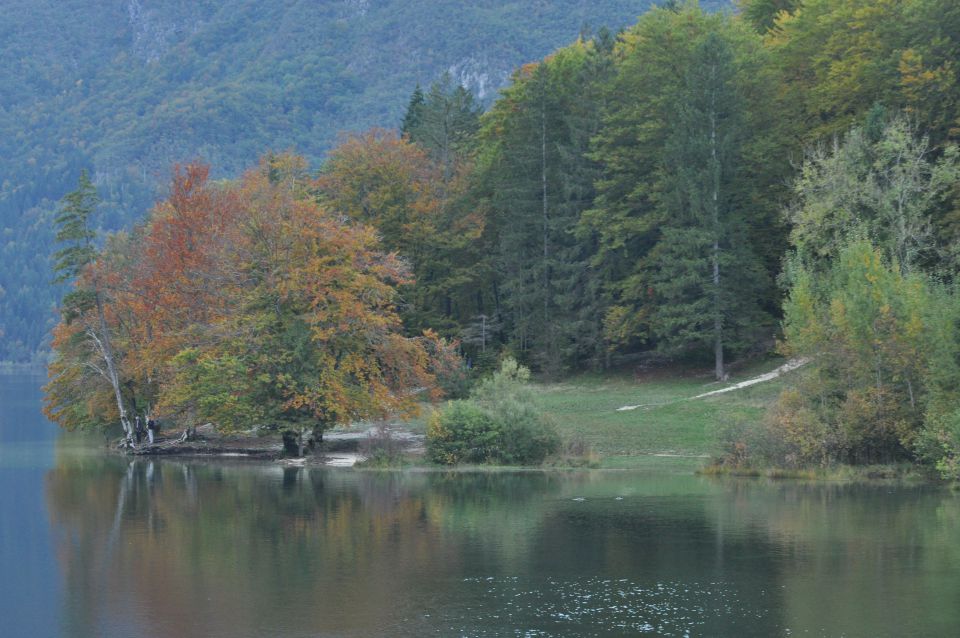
(249,304)
(391,184)
(312,337)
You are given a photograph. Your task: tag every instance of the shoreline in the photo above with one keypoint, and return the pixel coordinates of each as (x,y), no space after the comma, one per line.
(342,450)
(339,448)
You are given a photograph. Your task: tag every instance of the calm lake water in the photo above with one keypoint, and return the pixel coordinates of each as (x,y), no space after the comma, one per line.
(94,545)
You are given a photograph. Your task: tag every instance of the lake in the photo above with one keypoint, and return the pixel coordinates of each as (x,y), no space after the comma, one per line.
(96,545)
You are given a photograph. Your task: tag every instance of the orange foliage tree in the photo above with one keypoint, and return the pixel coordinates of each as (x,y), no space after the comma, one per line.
(249,304)
(422,211)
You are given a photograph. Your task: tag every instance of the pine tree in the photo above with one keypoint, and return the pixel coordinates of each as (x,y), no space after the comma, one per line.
(413,118)
(539,181)
(443,122)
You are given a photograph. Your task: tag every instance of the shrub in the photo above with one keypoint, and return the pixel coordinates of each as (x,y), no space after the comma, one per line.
(576,452)
(499,423)
(789,436)
(939,444)
(462,432)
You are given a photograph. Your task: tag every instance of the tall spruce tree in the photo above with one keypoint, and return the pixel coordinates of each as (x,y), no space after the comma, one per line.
(707,280)
(539,180)
(413,118)
(632,210)
(624,217)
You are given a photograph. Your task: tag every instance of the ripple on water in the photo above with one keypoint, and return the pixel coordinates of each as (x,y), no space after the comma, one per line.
(597,607)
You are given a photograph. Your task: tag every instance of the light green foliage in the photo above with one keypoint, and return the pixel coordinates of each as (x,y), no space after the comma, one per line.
(880,333)
(462,433)
(212,388)
(939,442)
(880,181)
(501,422)
(867,333)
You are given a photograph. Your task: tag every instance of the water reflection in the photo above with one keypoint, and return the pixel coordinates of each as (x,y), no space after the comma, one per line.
(169,548)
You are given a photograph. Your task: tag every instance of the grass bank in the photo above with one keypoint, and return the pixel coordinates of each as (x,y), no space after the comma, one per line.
(669,432)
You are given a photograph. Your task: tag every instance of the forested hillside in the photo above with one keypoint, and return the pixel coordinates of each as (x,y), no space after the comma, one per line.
(127,88)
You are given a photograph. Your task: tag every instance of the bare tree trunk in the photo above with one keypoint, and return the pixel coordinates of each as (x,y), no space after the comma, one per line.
(715,257)
(546,222)
(126,485)
(106,352)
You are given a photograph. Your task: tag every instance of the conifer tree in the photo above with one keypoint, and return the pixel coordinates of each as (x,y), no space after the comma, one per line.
(413,118)
(442,122)
(707,280)
(539,181)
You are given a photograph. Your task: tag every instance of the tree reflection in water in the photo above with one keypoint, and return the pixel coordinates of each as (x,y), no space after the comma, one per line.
(172,548)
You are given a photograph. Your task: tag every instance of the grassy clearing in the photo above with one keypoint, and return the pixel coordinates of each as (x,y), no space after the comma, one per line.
(670,433)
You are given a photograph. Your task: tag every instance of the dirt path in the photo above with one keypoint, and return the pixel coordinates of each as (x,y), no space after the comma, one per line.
(793,364)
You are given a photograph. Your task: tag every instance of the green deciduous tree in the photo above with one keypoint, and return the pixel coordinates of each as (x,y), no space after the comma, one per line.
(882,181)
(867,329)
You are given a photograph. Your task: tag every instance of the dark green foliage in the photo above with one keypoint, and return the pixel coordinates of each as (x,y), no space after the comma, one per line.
(413,118)
(539,179)
(707,282)
(74,229)
(653,216)
(444,122)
